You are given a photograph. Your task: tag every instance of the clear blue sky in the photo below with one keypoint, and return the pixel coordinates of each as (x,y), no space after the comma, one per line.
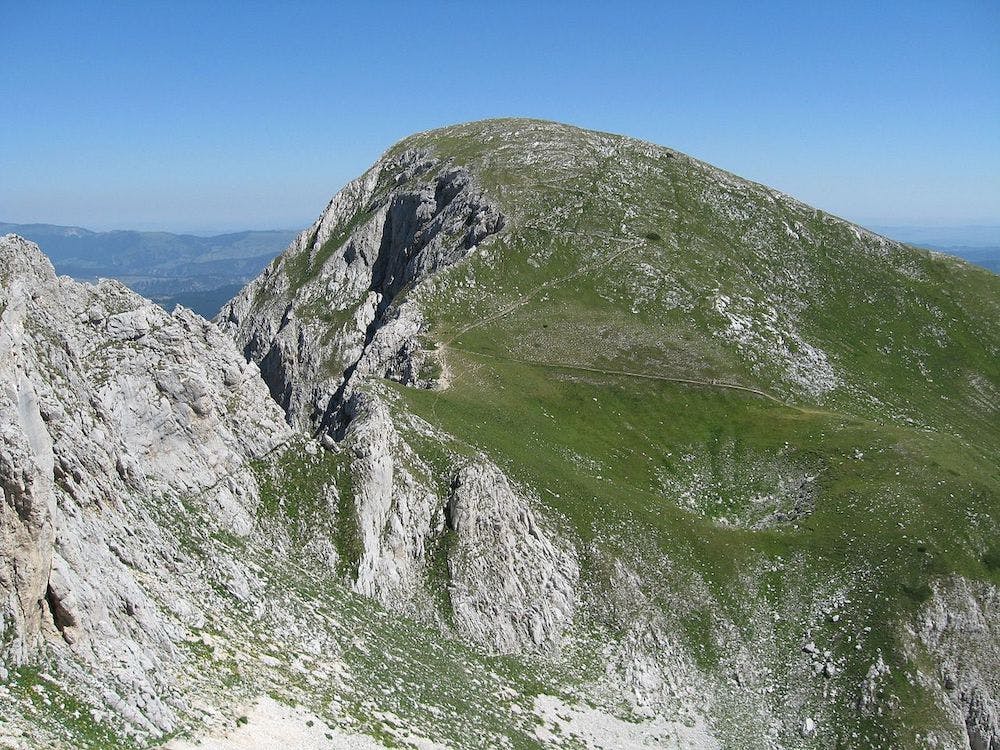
(213,115)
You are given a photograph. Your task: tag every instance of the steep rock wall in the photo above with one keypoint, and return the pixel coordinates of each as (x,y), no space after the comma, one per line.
(960,628)
(330,309)
(114,414)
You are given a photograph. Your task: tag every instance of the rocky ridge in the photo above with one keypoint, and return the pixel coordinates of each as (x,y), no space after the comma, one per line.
(114,410)
(322,314)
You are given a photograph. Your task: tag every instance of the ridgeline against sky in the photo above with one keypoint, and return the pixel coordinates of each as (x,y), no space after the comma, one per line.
(198,117)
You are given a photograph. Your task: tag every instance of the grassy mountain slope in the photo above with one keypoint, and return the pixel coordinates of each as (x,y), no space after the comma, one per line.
(785,424)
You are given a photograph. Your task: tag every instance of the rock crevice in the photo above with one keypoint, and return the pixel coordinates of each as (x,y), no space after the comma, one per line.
(333,309)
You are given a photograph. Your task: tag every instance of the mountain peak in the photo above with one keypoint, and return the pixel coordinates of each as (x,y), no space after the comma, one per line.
(704,465)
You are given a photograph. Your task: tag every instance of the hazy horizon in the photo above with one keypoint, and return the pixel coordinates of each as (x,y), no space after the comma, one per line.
(206,118)
(973,235)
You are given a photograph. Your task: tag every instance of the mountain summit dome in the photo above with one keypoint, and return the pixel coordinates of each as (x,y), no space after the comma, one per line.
(584,443)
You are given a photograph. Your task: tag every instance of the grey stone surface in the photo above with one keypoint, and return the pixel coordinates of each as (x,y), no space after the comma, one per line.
(111,411)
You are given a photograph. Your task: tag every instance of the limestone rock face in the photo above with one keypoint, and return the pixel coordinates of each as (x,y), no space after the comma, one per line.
(512,586)
(26,470)
(325,313)
(113,413)
(396,507)
(960,627)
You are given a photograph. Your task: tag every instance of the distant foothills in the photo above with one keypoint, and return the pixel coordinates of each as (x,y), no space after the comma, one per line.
(203,273)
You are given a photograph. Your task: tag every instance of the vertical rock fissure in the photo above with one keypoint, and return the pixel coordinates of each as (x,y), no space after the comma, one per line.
(334,420)
(414,222)
(400,262)
(62,616)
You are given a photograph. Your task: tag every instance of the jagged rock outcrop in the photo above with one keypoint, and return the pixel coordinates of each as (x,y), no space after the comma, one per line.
(113,412)
(395,505)
(960,627)
(26,469)
(512,586)
(327,310)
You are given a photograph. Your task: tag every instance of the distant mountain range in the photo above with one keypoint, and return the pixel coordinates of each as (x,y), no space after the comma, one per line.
(975,235)
(987,257)
(198,272)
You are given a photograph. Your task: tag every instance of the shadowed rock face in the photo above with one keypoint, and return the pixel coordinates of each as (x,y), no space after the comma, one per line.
(324,311)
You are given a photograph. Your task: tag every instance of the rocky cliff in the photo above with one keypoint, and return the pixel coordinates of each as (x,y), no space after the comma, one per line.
(323,315)
(114,415)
